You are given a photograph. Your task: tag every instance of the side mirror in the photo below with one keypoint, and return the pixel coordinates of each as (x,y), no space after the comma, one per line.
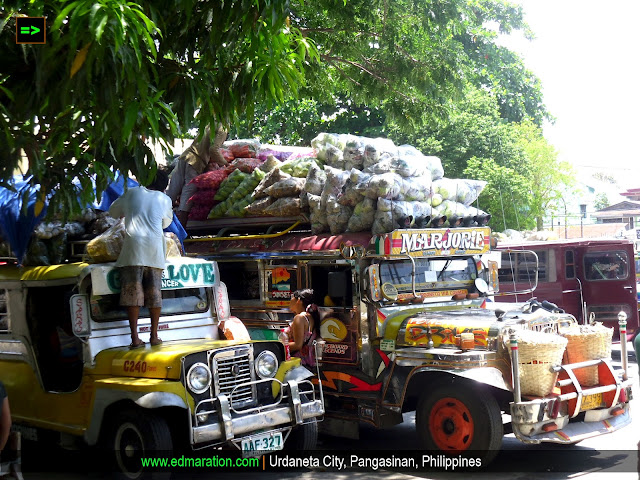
(79,305)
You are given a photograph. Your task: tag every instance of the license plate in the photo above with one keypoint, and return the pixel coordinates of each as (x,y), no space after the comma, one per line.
(591,401)
(262,443)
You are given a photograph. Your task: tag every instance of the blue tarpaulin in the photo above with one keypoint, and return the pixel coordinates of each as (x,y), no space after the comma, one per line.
(17,223)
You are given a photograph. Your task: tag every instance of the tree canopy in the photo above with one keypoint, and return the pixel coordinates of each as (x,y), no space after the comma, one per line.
(114,73)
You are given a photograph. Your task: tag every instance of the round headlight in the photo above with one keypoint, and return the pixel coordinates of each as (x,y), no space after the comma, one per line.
(199,378)
(266,364)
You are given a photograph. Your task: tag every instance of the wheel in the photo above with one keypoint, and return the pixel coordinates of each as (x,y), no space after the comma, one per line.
(457,418)
(305,436)
(137,434)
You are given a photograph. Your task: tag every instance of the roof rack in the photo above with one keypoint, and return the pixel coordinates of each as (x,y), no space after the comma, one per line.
(225,227)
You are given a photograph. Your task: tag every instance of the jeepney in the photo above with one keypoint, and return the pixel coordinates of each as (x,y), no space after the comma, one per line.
(70,374)
(406,329)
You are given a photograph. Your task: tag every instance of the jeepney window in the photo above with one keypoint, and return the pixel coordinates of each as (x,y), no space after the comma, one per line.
(332,285)
(612,265)
(106,308)
(521,267)
(4,313)
(429,273)
(569,264)
(242,279)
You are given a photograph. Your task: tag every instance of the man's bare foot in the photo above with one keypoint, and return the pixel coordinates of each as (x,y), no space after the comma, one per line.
(155,341)
(137,343)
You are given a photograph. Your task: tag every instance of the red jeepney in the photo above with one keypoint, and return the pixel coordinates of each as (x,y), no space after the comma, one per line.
(581,276)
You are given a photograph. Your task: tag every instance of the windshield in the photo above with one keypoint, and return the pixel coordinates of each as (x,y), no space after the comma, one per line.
(174,302)
(431,274)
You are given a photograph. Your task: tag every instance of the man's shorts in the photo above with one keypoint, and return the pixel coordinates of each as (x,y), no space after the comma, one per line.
(140,287)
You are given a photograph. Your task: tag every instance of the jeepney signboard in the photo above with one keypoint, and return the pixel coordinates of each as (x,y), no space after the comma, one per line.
(178,273)
(434,242)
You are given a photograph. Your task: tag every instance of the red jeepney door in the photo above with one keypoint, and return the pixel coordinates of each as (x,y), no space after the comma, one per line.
(609,285)
(572,293)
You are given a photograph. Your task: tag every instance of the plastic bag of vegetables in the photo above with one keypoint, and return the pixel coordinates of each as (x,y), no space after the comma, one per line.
(288,187)
(107,246)
(374,148)
(316,178)
(270,178)
(336,179)
(386,185)
(318,216)
(461,190)
(270,163)
(363,216)
(434,165)
(284,207)
(337,215)
(415,189)
(229,184)
(410,162)
(257,207)
(353,153)
(238,207)
(349,196)
(220,209)
(247,185)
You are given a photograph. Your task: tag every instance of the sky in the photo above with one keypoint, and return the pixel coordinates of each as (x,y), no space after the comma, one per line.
(587,57)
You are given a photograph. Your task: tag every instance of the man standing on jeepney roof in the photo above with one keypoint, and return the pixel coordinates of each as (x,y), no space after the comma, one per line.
(146,211)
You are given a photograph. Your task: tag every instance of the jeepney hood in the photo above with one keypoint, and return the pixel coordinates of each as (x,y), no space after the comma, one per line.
(410,326)
(160,361)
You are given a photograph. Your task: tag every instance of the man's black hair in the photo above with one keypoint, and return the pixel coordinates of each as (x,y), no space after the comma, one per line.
(160,182)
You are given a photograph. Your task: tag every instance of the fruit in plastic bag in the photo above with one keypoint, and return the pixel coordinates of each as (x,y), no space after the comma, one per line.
(107,246)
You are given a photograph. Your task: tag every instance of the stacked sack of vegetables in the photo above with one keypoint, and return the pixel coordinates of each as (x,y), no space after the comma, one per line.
(347,184)
(204,199)
(282,191)
(372,184)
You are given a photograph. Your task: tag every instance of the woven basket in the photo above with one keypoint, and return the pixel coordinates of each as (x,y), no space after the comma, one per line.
(588,342)
(538,352)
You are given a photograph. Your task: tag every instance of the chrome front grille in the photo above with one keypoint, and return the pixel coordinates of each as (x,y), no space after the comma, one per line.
(233,374)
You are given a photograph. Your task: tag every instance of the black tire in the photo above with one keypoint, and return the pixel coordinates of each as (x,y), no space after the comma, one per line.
(303,437)
(459,418)
(136,434)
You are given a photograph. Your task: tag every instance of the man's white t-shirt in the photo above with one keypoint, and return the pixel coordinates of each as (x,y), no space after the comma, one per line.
(146,213)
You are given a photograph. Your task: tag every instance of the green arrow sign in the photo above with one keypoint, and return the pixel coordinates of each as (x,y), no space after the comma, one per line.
(25,30)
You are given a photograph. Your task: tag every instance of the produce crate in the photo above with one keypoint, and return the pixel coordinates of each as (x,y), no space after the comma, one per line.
(538,352)
(588,342)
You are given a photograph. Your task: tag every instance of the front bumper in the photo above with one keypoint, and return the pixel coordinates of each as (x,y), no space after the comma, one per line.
(229,424)
(596,422)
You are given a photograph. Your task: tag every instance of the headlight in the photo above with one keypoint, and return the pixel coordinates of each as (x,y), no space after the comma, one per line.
(266,364)
(199,378)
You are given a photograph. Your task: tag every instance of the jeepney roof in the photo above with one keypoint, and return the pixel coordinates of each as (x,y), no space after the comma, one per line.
(42,273)
(75,271)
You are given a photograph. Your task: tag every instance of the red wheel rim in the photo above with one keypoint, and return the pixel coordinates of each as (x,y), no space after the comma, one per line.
(451,425)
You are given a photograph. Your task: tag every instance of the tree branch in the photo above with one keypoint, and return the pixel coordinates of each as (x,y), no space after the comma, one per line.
(332,59)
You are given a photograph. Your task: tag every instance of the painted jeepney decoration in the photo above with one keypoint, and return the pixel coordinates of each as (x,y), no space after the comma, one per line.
(405,327)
